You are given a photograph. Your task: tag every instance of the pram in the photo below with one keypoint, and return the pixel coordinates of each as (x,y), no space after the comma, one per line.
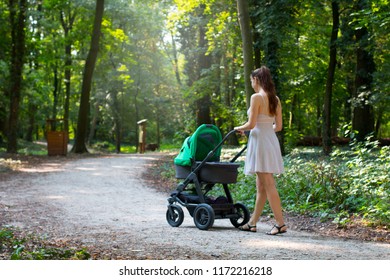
(198,163)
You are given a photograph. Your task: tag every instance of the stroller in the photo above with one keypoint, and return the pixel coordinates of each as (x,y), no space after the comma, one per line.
(198,163)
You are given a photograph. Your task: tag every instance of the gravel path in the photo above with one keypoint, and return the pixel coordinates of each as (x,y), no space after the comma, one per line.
(103,204)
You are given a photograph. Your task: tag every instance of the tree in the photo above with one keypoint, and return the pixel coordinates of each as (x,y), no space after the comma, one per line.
(199,76)
(247,45)
(18,11)
(272,20)
(67,19)
(203,103)
(82,123)
(326,126)
(363,114)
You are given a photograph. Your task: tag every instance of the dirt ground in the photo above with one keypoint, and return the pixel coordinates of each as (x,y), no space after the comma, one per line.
(115,207)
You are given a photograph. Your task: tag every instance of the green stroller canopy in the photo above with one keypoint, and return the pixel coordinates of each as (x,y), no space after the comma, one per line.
(197,146)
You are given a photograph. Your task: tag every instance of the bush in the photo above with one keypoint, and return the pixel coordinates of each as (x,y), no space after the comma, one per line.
(352,181)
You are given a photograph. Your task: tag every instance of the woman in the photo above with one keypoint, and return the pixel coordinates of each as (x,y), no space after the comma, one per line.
(263,156)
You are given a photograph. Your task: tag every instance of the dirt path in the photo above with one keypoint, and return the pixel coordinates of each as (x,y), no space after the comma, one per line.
(102,203)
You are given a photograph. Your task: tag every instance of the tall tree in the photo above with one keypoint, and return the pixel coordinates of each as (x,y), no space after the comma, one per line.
(203,103)
(247,45)
(272,20)
(326,126)
(192,26)
(67,17)
(18,11)
(363,114)
(82,123)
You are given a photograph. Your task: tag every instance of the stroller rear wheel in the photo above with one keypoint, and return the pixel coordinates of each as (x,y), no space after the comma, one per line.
(243,215)
(204,216)
(175,215)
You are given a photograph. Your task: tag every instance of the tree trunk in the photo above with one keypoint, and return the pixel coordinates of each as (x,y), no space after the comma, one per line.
(117,121)
(34,66)
(256,45)
(363,114)
(247,45)
(203,104)
(94,122)
(67,25)
(18,24)
(68,75)
(272,60)
(175,60)
(326,125)
(136,107)
(82,123)
(32,109)
(203,110)
(56,87)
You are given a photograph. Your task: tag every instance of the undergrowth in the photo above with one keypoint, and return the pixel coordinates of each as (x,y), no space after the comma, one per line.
(16,247)
(352,182)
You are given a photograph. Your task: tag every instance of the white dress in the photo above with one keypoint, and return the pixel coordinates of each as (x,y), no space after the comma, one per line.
(263,152)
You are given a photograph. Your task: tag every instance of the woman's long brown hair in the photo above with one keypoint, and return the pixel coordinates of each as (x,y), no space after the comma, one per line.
(264,75)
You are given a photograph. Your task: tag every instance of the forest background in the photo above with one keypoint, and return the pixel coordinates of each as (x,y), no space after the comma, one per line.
(181,63)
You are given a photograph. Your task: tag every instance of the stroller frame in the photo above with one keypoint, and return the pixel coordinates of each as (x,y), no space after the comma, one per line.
(203,210)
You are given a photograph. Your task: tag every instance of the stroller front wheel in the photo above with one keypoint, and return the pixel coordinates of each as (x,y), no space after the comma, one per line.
(204,216)
(175,215)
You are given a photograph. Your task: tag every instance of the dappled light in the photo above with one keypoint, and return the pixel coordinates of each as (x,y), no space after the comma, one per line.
(55,197)
(44,168)
(289,244)
(85,169)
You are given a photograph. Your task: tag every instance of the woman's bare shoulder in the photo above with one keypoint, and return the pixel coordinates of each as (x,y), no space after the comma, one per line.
(256,97)
(279,103)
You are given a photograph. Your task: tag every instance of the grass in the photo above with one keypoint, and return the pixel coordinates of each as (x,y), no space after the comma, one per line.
(28,148)
(129,149)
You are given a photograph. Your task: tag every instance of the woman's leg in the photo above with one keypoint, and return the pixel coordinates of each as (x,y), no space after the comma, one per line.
(261,198)
(268,183)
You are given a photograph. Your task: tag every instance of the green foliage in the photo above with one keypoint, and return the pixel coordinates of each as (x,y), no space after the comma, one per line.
(245,189)
(150,66)
(29,148)
(351,182)
(166,170)
(29,248)
(108,147)
(292,136)
(354,181)
(169,147)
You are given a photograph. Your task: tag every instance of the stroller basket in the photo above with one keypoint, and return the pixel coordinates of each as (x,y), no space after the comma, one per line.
(212,172)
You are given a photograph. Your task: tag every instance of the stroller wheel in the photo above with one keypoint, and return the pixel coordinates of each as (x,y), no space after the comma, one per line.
(175,215)
(243,215)
(204,216)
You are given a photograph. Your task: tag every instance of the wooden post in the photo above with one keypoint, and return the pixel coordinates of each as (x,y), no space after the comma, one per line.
(142,136)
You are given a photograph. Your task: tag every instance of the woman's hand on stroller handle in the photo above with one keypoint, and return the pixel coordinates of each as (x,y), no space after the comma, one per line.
(242,132)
